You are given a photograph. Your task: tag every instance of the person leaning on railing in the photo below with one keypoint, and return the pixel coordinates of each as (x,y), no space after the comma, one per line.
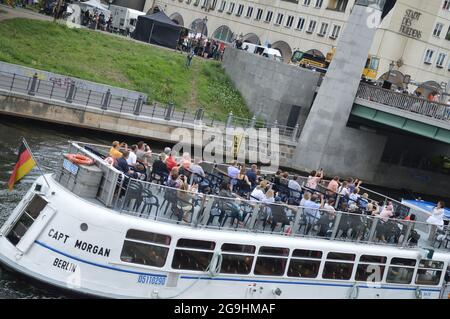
(436,219)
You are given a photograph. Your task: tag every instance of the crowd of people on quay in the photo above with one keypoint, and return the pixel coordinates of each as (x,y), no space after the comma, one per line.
(200,47)
(96,20)
(431,96)
(281,194)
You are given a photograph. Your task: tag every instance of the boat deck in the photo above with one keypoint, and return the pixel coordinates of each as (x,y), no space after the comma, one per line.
(152,201)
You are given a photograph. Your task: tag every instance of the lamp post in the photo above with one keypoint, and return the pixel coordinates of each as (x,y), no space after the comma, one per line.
(205,20)
(391,68)
(109,3)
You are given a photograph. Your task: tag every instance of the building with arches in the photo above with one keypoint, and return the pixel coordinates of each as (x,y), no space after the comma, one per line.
(415,35)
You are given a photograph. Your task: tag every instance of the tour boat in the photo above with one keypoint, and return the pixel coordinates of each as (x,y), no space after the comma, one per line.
(90,230)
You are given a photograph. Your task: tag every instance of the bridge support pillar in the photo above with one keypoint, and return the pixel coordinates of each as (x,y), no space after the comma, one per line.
(326,141)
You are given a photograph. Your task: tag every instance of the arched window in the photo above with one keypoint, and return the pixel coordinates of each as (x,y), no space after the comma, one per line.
(199,27)
(224,34)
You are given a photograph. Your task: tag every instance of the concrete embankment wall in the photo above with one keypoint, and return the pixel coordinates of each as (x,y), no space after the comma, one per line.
(21,105)
(64,81)
(271,88)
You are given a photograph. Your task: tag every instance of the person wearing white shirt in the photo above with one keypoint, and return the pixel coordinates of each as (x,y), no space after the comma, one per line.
(436,219)
(343,190)
(437,215)
(233,171)
(132,158)
(293,184)
(258,194)
(354,196)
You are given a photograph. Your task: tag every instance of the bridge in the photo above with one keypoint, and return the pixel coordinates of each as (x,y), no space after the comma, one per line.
(402,111)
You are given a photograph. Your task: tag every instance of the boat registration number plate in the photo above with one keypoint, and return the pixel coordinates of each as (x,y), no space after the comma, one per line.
(71,167)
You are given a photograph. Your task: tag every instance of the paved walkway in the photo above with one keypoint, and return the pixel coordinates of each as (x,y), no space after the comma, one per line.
(7,12)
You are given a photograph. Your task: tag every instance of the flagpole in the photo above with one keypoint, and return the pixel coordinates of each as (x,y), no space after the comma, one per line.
(34,159)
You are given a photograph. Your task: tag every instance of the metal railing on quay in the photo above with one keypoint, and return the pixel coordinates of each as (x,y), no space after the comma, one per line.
(69,92)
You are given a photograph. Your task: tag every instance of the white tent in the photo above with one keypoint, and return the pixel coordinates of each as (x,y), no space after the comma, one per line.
(95,5)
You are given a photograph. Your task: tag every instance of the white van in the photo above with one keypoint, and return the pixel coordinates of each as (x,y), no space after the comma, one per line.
(124,20)
(264,51)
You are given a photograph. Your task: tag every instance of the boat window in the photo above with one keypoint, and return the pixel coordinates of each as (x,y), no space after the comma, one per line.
(341,256)
(373,259)
(148,237)
(35,207)
(274,251)
(196,244)
(369,272)
(429,272)
(144,254)
(370,268)
(307,254)
(236,264)
(429,277)
(191,260)
(303,268)
(403,262)
(29,214)
(247,249)
(399,275)
(337,271)
(267,266)
(431,264)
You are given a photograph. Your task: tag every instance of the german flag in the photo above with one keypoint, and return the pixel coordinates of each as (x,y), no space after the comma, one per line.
(25,163)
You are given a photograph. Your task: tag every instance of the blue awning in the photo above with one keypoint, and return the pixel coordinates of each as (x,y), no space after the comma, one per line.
(426,206)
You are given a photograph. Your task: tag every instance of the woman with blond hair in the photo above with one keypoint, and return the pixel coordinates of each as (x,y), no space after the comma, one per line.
(114,151)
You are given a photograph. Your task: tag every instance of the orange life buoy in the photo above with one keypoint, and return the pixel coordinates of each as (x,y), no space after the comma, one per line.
(80,159)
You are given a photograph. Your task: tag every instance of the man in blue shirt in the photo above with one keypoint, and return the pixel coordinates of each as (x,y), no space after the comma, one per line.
(311,207)
(122,165)
(252,175)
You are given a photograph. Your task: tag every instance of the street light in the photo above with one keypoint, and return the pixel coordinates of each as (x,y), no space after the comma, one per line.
(205,20)
(109,3)
(391,68)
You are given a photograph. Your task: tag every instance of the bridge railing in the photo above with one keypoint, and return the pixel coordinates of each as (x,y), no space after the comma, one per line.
(107,101)
(404,102)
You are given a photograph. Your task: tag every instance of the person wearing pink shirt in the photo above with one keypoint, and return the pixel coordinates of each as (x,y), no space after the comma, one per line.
(314,179)
(333,186)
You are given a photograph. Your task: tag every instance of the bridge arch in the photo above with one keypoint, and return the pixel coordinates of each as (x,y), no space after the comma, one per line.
(177,18)
(284,48)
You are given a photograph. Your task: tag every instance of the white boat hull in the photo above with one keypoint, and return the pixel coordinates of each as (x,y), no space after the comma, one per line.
(56,251)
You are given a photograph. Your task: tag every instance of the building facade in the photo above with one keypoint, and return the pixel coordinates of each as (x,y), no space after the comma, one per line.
(413,39)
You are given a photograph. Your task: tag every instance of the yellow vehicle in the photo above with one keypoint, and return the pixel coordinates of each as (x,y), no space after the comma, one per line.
(307,60)
(371,69)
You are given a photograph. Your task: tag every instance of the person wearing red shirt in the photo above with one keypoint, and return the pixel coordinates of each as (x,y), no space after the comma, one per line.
(170,162)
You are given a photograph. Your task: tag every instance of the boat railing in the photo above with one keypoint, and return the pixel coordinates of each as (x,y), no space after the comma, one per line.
(149,200)
(111,176)
(196,210)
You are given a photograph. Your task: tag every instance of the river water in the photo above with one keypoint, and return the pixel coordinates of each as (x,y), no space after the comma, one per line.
(43,139)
